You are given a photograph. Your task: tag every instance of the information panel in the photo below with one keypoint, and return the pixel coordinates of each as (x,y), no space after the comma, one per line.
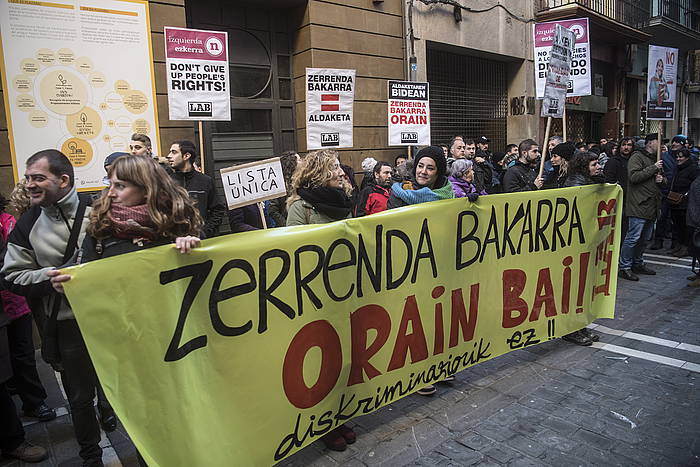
(64,87)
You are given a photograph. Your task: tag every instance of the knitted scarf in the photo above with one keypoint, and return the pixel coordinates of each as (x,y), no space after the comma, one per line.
(407,192)
(132,222)
(333,202)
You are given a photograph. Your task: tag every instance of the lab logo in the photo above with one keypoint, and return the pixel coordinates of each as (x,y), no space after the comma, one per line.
(330,139)
(199,109)
(410,137)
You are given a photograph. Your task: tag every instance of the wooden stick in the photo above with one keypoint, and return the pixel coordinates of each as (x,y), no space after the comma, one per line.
(262,214)
(544,146)
(201,147)
(563,124)
(660,141)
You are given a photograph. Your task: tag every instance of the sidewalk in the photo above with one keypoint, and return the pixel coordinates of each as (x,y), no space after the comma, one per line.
(631,400)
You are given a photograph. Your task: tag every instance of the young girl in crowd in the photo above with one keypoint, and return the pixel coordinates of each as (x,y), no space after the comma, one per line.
(320,195)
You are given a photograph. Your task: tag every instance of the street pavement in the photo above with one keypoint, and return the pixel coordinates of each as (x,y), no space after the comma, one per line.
(632,399)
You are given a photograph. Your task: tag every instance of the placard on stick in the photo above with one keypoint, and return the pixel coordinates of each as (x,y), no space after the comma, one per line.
(253,182)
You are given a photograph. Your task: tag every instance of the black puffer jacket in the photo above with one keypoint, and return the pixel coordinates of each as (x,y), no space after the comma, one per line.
(686,173)
(615,170)
(520,177)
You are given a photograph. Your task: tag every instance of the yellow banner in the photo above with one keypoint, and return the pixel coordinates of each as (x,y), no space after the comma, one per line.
(258,343)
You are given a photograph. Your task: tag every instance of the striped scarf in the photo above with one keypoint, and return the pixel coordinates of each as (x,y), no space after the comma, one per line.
(408,194)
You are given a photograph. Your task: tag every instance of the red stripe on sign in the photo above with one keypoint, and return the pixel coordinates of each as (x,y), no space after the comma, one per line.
(330,97)
(328,107)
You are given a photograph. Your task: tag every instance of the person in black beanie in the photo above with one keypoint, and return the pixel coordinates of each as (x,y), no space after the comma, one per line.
(428,182)
(560,156)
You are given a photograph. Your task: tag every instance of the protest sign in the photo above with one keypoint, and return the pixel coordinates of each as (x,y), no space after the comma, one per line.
(661,82)
(329,105)
(253,182)
(408,113)
(64,89)
(258,343)
(579,83)
(558,73)
(197,67)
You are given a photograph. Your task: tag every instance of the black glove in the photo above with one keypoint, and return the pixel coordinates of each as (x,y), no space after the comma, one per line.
(472,196)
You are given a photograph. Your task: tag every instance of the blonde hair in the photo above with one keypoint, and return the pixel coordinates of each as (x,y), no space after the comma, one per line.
(172,211)
(19,198)
(315,170)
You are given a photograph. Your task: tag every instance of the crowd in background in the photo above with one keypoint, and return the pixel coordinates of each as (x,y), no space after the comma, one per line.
(150,201)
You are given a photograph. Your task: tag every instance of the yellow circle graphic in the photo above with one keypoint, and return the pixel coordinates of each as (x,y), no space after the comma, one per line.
(23,83)
(62,92)
(122,86)
(141,126)
(78,151)
(106,138)
(25,102)
(123,124)
(97,79)
(85,124)
(135,102)
(45,56)
(103,106)
(29,66)
(84,65)
(66,56)
(38,118)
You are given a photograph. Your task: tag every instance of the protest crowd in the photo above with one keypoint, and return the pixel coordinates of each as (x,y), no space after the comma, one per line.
(151,200)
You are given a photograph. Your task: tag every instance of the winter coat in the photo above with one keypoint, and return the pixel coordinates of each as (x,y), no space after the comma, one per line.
(201,189)
(686,173)
(554,178)
(372,199)
(277,210)
(520,177)
(245,219)
(692,215)
(615,171)
(483,175)
(462,187)
(642,198)
(303,213)
(578,180)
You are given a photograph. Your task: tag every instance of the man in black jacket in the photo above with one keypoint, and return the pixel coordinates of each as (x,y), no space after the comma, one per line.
(615,171)
(523,175)
(201,188)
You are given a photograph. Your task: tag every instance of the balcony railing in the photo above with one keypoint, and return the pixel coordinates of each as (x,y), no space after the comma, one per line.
(633,13)
(683,12)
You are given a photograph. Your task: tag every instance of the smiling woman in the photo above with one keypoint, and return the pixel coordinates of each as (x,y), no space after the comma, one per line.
(428,183)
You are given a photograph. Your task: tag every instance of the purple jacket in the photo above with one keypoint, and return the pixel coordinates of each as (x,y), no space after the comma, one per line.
(462,187)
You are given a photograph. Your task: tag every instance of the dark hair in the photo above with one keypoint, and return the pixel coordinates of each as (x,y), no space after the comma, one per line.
(140,137)
(509,147)
(186,147)
(468,141)
(400,156)
(609,147)
(685,152)
(351,175)
(378,166)
(626,138)
(578,165)
(59,164)
(580,145)
(3,202)
(288,161)
(525,145)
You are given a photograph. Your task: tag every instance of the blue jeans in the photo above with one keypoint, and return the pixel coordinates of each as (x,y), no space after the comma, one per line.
(638,235)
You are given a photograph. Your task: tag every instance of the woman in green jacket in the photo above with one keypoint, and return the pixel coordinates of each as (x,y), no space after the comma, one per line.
(319,195)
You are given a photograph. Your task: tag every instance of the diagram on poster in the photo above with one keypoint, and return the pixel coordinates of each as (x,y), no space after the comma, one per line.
(78,79)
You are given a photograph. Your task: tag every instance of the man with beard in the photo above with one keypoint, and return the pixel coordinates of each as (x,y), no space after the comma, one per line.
(374,196)
(200,187)
(523,175)
(615,171)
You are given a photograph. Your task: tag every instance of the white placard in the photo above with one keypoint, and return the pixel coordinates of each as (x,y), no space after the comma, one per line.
(558,72)
(330,94)
(580,79)
(196,62)
(661,82)
(253,182)
(408,113)
(77,78)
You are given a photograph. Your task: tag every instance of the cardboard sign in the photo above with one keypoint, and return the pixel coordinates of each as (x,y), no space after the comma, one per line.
(197,68)
(329,104)
(661,82)
(77,78)
(558,73)
(253,182)
(580,78)
(408,113)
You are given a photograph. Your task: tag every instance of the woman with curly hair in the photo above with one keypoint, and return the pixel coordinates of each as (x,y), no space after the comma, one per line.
(320,195)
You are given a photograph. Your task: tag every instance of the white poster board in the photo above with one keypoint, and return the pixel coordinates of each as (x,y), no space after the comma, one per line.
(77,78)
(558,73)
(198,80)
(408,113)
(580,78)
(661,82)
(253,182)
(330,94)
